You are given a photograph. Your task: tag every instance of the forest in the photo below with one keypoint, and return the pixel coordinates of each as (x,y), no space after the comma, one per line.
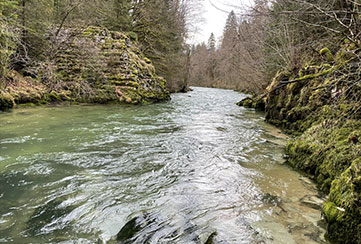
(35,35)
(299,61)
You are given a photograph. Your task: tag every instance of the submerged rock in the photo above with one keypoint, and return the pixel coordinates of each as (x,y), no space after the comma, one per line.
(312,202)
(270,199)
(129,230)
(210,239)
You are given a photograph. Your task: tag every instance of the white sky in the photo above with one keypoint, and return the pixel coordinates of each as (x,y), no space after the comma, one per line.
(215,19)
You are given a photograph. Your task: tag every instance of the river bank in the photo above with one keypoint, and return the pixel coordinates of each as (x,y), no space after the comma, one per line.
(319,104)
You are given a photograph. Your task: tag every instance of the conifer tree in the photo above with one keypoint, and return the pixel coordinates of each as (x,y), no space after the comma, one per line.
(160,31)
(230,31)
(118,15)
(211,59)
(8,35)
(229,53)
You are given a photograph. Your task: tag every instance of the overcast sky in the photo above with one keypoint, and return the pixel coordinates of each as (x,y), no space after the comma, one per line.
(215,13)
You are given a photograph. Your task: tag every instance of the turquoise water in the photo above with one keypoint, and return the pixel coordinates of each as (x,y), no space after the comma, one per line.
(184,170)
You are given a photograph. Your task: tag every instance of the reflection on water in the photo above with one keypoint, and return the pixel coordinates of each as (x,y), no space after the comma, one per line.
(193,170)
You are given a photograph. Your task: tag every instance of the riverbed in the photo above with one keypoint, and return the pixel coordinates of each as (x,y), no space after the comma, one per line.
(189,170)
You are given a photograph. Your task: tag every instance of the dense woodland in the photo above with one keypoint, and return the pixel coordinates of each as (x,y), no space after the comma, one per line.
(31,31)
(273,36)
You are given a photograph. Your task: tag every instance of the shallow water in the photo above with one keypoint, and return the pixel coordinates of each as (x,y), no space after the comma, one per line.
(185,170)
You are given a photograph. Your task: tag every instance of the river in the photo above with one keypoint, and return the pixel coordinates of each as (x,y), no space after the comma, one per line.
(186,171)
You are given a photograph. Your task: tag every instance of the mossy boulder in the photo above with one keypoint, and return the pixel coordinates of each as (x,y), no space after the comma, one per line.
(6,101)
(246,102)
(253,102)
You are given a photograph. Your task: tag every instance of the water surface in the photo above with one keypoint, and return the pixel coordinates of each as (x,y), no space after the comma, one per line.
(185,170)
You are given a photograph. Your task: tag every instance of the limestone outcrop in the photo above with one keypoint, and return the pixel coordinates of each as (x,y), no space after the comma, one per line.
(94,65)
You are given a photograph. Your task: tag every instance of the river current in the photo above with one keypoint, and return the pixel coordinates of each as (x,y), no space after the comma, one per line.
(191,170)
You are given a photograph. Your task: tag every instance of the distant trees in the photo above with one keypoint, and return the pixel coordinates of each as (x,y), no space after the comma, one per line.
(198,66)
(228,53)
(203,63)
(238,62)
(274,35)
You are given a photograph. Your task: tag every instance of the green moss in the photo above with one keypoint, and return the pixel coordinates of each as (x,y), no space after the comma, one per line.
(133,36)
(256,103)
(327,53)
(331,212)
(246,102)
(6,101)
(113,71)
(342,211)
(58,96)
(91,30)
(319,107)
(28,105)
(147,60)
(125,83)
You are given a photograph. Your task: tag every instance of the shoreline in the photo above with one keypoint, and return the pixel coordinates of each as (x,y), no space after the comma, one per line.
(325,126)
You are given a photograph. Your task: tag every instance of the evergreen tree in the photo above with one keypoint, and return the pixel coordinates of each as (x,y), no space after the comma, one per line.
(8,35)
(229,53)
(160,31)
(211,43)
(118,15)
(230,31)
(211,59)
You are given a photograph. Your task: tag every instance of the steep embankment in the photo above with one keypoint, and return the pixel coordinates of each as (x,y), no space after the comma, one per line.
(92,66)
(321,104)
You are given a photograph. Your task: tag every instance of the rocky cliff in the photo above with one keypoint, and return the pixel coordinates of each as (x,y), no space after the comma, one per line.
(91,66)
(320,104)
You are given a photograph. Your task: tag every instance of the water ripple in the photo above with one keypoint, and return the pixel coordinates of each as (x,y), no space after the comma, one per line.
(179,172)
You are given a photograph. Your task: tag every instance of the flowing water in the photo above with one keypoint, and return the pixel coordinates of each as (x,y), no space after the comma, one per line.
(192,170)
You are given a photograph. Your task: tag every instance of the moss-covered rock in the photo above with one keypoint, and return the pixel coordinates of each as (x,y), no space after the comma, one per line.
(6,101)
(92,66)
(319,103)
(109,67)
(343,211)
(256,102)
